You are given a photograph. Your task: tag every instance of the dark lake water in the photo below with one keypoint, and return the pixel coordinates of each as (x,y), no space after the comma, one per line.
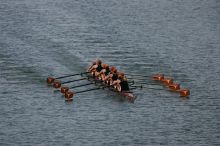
(55,37)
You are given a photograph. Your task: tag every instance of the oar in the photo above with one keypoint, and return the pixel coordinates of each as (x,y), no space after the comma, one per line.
(50,80)
(140,86)
(69,95)
(145,83)
(57,84)
(157,77)
(136,75)
(153,75)
(65,89)
(131,82)
(138,78)
(133,88)
(182,92)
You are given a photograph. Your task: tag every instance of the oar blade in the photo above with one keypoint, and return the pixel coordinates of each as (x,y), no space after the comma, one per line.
(174,87)
(69,95)
(167,81)
(64,89)
(158,77)
(50,80)
(184,92)
(57,84)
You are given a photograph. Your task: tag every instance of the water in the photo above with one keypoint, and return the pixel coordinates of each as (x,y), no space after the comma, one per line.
(56,37)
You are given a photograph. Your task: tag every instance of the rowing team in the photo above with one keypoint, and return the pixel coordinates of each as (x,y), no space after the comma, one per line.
(109,75)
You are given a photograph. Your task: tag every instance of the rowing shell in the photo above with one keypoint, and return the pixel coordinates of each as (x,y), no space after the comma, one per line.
(128,95)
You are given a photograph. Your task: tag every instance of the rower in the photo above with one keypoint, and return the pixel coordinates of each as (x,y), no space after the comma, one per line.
(91,66)
(95,69)
(121,84)
(104,72)
(113,76)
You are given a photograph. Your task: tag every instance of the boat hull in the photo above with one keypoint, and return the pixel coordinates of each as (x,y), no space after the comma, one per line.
(128,95)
